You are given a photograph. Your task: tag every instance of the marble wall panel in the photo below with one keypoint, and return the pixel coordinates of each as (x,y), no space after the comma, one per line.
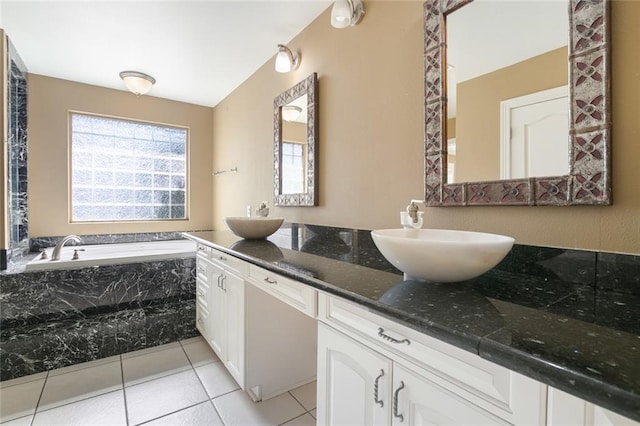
(16,155)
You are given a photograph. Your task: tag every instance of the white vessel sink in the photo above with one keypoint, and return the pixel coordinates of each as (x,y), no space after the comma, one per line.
(439,255)
(253,228)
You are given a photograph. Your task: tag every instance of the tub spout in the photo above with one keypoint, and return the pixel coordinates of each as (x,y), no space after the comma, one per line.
(56,250)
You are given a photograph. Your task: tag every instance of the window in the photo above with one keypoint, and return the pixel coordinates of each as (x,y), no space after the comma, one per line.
(293,168)
(123,170)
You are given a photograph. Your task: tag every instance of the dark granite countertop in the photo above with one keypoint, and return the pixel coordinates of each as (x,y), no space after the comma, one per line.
(564,317)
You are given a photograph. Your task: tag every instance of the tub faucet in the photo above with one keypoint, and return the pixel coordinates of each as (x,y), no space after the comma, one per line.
(55,255)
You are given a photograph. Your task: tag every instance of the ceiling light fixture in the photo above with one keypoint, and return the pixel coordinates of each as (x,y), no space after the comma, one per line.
(291,112)
(346,13)
(137,82)
(286,60)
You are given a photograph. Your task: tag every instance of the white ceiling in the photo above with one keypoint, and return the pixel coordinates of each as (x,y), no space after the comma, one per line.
(487,35)
(198,51)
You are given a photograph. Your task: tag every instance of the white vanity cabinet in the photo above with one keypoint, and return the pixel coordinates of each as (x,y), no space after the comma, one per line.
(357,385)
(568,410)
(374,371)
(225,304)
(274,333)
(262,325)
(227,315)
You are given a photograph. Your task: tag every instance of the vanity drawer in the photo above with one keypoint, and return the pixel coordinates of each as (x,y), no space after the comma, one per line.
(227,262)
(202,319)
(295,294)
(484,383)
(201,268)
(204,250)
(202,291)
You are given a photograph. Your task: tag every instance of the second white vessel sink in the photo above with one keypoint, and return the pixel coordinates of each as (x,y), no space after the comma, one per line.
(439,255)
(253,228)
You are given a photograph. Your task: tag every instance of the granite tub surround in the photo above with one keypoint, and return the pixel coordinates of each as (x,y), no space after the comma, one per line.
(55,318)
(38,243)
(563,317)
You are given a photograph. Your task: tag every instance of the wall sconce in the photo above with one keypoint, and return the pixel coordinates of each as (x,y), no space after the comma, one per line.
(286,60)
(291,112)
(346,12)
(137,82)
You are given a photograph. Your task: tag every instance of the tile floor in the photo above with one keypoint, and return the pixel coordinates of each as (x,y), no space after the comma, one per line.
(181,383)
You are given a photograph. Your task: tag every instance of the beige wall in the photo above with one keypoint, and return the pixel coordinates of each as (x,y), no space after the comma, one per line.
(294,132)
(50,100)
(370,128)
(371,137)
(478,111)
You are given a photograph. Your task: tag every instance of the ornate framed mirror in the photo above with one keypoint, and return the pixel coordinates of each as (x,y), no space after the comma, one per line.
(295,135)
(586,139)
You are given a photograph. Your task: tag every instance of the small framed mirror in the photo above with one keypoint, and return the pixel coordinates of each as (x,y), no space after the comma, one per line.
(295,135)
(487,139)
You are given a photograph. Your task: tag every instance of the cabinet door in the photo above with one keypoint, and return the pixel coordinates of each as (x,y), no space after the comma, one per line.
(233,289)
(418,401)
(218,311)
(353,381)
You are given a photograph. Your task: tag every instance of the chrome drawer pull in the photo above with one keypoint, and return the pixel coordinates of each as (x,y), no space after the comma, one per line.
(201,294)
(270,281)
(375,390)
(391,339)
(224,259)
(222,286)
(395,403)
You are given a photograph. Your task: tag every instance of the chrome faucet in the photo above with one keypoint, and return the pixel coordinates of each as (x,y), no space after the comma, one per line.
(55,255)
(412,217)
(413,210)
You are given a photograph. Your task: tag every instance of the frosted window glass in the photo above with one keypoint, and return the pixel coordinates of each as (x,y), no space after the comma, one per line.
(293,171)
(126,171)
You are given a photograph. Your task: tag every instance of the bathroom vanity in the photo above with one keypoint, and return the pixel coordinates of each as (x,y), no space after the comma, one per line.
(257,322)
(499,349)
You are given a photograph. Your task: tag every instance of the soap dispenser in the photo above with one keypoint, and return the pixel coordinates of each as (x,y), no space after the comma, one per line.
(263,210)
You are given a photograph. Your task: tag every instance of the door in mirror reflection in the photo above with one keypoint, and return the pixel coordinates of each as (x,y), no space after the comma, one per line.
(498,51)
(534,136)
(294,146)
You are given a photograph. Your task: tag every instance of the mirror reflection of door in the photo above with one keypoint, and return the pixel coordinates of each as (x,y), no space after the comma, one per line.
(294,147)
(499,50)
(534,139)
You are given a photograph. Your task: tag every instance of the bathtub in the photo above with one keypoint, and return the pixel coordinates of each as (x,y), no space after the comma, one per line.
(114,254)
